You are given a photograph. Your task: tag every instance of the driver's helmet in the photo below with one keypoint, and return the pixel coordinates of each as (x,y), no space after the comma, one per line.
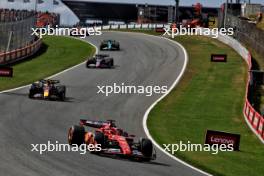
(119,132)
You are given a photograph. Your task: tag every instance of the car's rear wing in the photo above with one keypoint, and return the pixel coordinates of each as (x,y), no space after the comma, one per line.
(50,81)
(102,55)
(96,123)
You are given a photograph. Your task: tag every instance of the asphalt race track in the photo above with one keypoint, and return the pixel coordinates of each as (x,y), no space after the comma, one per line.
(143,60)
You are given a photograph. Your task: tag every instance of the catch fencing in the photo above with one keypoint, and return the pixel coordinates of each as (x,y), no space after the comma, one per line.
(19,54)
(247,33)
(16,41)
(16,34)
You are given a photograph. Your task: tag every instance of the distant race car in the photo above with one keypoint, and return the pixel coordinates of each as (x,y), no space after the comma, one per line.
(47,89)
(100,61)
(109,45)
(113,140)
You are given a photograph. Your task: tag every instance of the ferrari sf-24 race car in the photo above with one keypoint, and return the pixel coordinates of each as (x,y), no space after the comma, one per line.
(109,45)
(100,61)
(113,140)
(47,89)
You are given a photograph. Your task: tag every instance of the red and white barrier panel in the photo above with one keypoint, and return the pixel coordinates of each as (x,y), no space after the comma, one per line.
(254,119)
(20,53)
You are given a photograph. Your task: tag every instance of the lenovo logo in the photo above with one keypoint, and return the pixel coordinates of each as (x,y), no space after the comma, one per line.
(6,72)
(218,137)
(218,58)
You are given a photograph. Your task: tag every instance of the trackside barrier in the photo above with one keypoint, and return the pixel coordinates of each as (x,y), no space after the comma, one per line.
(19,54)
(133,26)
(252,117)
(254,120)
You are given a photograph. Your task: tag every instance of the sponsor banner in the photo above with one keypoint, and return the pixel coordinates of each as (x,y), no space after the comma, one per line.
(131,26)
(6,72)
(114,26)
(138,26)
(160,30)
(167,26)
(145,26)
(106,27)
(160,25)
(218,58)
(123,26)
(152,26)
(218,137)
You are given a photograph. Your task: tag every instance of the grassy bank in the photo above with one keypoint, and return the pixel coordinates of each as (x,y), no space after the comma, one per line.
(57,54)
(210,96)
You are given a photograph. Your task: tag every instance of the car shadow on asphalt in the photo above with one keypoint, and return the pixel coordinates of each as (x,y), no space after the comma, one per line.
(134,160)
(67,99)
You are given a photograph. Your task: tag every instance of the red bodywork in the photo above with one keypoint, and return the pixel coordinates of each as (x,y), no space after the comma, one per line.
(111,132)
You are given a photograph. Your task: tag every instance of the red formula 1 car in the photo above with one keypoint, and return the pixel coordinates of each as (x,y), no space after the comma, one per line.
(113,140)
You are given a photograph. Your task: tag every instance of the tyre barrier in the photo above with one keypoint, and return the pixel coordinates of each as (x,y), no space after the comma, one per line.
(20,54)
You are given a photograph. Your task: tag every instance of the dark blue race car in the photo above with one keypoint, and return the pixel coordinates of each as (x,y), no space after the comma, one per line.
(110,45)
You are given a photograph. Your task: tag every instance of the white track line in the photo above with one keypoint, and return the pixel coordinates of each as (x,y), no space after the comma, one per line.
(145,118)
(175,83)
(57,74)
(151,107)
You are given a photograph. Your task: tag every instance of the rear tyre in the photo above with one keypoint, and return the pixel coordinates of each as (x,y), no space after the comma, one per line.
(62,96)
(61,92)
(99,137)
(30,95)
(76,135)
(146,148)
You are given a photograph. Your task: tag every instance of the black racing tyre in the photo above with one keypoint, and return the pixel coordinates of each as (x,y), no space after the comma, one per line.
(146,148)
(89,62)
(61,92)
(62,96)
(30,95)
(76,135)
(99,137)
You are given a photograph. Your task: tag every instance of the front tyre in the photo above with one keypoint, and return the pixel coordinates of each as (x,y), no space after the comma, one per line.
(76,135)
(146,148)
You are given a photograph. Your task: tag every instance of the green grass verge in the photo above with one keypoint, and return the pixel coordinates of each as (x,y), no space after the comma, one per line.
(210,96)
(57,53)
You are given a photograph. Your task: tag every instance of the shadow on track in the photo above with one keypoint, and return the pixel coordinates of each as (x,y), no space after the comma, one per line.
(67,99)
(134,160)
